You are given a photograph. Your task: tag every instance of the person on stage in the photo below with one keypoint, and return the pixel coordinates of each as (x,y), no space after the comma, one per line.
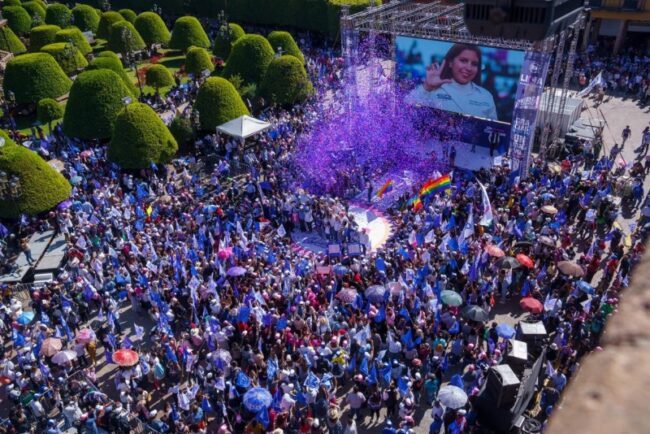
(455,85)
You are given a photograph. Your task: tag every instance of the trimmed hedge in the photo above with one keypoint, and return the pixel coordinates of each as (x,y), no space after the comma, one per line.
(48,110)
(18,19)
(41,186)
(249,58)
(152,28)
(140,138)
(158,76)
(197,60)
(109,60)
(218,102)
(67,55)
(86,18)
(58,14)
(94,102)
(286,81)
(223,45)
(10,42)
(125,38)
(34,9)
(12,3)
(41,36)
(34,76)
(128,15)
(181,129)
(106,21)
(75,37)
(284,40)
(188,32)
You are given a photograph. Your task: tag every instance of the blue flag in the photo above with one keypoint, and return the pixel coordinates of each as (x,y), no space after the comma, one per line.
(263,418)
(457,381)
(385,374)
(372,375)
(109,356)
(312,381)
(242,380)
(271,369)
(403,386)
(363,368)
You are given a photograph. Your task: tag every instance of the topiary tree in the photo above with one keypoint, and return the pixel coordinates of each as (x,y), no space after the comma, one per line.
(17,18)
(41,186)
(140,138)
(12,3)
(106,22)
(198,60)
(34,76)
(286,81)
(181,129)
(285,42)
(58,14)
(47,111)
(188,32)
(41,36)
(35,10)
(86,18)
(67,56)
(94,102)
(158,76)
(10,42)
(109,60)
(218,102)
(128,14)
(152,28)
(223,42)
(249,58)
(74,36)
(124,38)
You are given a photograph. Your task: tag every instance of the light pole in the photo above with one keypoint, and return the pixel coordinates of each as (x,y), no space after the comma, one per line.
(11,99)
(10,186)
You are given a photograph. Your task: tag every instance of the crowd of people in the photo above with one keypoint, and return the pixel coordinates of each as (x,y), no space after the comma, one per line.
(193,271)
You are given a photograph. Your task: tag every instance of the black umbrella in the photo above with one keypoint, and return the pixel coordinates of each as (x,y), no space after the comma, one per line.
(475,313)
(508,262)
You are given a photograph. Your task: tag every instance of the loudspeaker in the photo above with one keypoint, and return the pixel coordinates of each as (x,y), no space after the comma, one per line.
(334,250)
(354,249)
(502,385)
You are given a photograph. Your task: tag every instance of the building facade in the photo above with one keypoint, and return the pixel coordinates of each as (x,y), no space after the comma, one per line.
(621,22)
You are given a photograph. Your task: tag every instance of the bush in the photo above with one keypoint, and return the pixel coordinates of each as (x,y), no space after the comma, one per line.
(140,138)
(86,18)
(218,102)
(41,186)
(181,129)
(17,18)
(125,38)
(41,36)
(94,102)
(286,81)
(58,14)
(74,36)
(48,110)
(109,60)
(128,15)
(249,58)
(67,56)
(35,10)
(158,76)
(223,44)
(198,60)
(284,40)
(188,32)
(152,28)
(106,21)
(34,76)
(12,3)
(10,42)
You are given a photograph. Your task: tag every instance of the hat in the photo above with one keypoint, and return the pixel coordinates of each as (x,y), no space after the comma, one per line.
(462,412)
(333,413)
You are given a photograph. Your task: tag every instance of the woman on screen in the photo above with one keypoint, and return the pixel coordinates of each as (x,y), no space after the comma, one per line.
(455,85)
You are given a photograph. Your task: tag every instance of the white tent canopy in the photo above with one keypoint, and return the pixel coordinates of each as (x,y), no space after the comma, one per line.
(243,127)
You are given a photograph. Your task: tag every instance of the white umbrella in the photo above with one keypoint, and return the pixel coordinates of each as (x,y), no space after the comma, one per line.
(452,397)
(552,304)
(63,357)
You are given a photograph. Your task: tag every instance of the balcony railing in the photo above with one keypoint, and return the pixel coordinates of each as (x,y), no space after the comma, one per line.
(620,5)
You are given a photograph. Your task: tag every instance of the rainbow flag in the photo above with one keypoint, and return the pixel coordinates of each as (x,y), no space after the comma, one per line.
(415,202)
(434,186)
(388,186)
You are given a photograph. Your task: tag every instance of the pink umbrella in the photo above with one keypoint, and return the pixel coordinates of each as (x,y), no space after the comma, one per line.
(495,251)
(85,336)
(347,295)
(225,253)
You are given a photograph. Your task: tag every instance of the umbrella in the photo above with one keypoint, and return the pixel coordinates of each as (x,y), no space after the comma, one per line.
(552,303)
(549,209)
(75,180)
(25,318)
(507,262)
(125,357)
(375,293)
(495,251)
(223,355)
(63,357)
(225,253)
(64,205)
(50,347)
(347,295)
(571,268)
(340,270)
(525,260)
(85,336)
(532,305)
(236,271)
(452,396)
(505,331)
(585,287)
(451,298)
(547,241)
(257,399)
(475,313)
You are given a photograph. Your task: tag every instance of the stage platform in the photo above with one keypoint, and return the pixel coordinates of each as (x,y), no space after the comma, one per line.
(480,158)
(38,244)
(53,256)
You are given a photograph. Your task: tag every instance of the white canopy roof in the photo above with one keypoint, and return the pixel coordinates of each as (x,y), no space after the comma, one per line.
(243,127)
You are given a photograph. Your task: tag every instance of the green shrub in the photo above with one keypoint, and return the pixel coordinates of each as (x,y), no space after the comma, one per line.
(110,55)
(67,56)
(152,28)
(94,102)
(58,14)
(12,3)
(17,18)
(10,42)
(223,44)
(140,138)
(76,38)
(188,32)
(41,3)
(124,38)
(106,21)
(86,18)
(181,129)
(42,35)
(198,60)
(158,76)
(34,76)
(128,15)
(109,60)
(218,102)
(286,81)
(249,58)
(35,10)
(284,40)
(48,110)
(41,186)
